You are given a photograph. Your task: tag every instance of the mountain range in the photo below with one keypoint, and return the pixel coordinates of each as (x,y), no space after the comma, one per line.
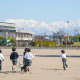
(41,27)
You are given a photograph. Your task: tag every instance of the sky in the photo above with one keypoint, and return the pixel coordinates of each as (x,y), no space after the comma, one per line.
(40,10)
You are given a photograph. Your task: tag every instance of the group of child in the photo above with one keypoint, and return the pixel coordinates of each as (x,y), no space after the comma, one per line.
(27,59)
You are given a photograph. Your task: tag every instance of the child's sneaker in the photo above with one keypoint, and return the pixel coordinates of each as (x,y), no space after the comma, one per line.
(25,70)
(15,71)
(64,68)
(21,69)
(28,69)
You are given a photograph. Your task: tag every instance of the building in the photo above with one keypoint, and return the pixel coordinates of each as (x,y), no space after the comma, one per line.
(43,38)
(21,36)
(7,26)
(38,38)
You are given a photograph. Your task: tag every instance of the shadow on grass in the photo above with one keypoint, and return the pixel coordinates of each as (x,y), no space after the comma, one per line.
(16,66)
(7,72)
(55,56)
(74,56)
(8,66)
(52,69)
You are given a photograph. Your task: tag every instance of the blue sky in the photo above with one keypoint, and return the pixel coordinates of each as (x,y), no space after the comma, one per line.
(40,10)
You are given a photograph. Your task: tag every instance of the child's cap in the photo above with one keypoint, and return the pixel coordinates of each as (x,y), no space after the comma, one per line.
(13,49)
(0,51)
(62,51)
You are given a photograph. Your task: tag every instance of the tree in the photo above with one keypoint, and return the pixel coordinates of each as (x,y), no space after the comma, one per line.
(1,38)
(9,38)
(76,38)
(5,37)
(71,38)
(59,34)
(12,40)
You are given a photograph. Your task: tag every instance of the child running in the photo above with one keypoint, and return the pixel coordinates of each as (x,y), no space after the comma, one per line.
(26,50)
(28,60)
(13,58)
(63,56)
(1,59)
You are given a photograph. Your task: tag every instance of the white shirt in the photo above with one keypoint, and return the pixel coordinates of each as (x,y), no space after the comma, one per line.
(64,55)
(29,55)
(1,57)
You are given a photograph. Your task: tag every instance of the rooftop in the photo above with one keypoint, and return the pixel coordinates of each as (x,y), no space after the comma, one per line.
(23,31)
(8,24)
(18,31)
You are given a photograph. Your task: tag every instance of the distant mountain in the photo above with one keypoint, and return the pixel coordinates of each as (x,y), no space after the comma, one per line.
(41,27)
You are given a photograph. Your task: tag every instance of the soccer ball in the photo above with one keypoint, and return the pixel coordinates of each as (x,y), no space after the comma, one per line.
(20,63)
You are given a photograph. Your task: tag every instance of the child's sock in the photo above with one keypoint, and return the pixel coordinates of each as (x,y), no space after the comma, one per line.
(14,68)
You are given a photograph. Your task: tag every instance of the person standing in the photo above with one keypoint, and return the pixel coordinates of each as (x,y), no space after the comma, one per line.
(63,56)
(26,50)
(13,58)
(1,59)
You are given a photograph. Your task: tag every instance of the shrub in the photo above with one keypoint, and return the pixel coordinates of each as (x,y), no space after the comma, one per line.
(12,40)
(1,38)
(44,44)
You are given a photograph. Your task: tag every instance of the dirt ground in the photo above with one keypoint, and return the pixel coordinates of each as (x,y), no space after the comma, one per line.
(47,65)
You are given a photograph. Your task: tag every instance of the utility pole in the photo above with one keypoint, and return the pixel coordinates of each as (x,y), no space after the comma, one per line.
(41,43)
(68,31)
(66,42)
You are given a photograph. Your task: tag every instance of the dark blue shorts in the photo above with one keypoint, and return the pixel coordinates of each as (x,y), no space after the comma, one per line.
(14,61)
(28,62)
(0,64)
(23,61)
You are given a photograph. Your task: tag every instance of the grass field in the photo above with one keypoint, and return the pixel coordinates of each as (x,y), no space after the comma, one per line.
(47,65)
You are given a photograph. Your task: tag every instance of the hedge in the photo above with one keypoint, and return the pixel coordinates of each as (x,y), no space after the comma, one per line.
(44,44)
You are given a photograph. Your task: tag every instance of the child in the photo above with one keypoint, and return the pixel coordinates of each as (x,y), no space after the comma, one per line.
(1,59)
(26,50)
(63,56)
(13,58)
(28,60)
